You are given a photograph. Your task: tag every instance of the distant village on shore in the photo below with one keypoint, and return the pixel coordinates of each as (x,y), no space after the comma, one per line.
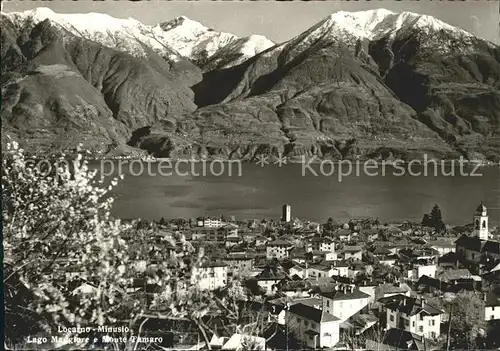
(362,284)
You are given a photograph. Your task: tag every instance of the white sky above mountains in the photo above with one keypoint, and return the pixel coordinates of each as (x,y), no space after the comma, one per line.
(278,21)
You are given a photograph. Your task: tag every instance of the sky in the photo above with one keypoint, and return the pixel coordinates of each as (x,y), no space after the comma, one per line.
(278,21)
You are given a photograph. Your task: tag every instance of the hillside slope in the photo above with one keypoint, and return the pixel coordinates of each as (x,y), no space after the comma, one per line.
(369,84)
(59,89)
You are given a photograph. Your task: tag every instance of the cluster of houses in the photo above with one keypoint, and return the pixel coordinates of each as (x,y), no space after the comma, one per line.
(325,288)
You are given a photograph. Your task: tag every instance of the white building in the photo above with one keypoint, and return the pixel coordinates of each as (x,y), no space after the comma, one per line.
(345,301)
(492,307)
(341,269)
(298,269)
(353,252)
(492,312)
(268,283)
(208,222)
(443,246)
(413,315)
(327,269)
(342,234)
(324,256)
(278,249)
(320,244)
(389,260)
(231,229)
(210,275)
(316,328)
(370,290)
(320,271)
(420,270)
(388,290)
(451,275)
(268,279)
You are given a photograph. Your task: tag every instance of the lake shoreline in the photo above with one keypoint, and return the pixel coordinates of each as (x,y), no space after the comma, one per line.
(311,160)
(260,192)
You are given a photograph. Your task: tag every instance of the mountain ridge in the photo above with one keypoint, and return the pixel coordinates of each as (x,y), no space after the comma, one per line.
(179,38)
(367,84)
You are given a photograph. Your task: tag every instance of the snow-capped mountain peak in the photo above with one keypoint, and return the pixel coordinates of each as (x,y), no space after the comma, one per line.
(373,24)
(180,37)
(239,51)
(127,35)
(346,28)
(190,38)
(254,44)
(91,22)
(361,23)
(183,22)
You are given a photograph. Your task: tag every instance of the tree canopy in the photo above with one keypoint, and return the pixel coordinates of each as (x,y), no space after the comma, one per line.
(434,219)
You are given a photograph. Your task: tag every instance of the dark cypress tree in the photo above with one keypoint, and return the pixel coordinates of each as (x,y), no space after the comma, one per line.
(427,221)
(436,213)
(351,225)
(437,219)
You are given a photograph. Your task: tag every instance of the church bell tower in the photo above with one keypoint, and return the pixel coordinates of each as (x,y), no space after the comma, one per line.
(481,222)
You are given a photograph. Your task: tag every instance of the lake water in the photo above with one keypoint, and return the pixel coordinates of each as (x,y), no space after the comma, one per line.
(260,193)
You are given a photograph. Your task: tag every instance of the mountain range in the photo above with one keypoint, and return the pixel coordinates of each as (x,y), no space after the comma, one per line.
(374,84)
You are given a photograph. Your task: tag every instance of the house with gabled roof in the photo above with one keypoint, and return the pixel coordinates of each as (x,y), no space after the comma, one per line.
(448,261)
(414,315)
(342,234)
(279,249)
(442,246)
(316,328)
(352,252)
(389,260)
(239,264)
(209,275)
(417,270)
(492,306)
(260,240)
(293,288)
(320,271)
(358,267)
(470,248)
(323,255)
(381,251)
(432,285)
(370,234)
(277,306)
(268,279)
(398,339)
(298,269)
(233,240)
(340,268)
(387,290)
(451,275)
(413,254)
(319,243)
(299,254)
(344,301)
(384,255)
